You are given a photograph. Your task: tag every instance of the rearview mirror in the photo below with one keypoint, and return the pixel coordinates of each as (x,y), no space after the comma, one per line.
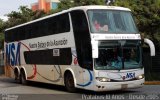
(151,45)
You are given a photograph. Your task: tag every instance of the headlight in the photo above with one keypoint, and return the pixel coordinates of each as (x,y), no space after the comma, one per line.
(140,76)
(103,79)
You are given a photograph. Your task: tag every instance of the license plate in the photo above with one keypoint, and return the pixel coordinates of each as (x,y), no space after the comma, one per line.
(124,86)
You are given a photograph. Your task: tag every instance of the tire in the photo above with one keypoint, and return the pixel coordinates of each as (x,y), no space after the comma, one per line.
(23,78)
(17,79)
(69,83)
(17,76)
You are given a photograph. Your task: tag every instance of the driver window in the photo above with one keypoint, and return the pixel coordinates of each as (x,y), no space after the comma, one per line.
(99,22)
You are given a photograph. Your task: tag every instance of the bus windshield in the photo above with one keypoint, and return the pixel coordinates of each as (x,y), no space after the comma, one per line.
(111,21)
(118,55)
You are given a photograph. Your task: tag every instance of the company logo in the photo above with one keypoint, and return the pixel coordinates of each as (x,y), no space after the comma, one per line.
(13,54)
(130,75)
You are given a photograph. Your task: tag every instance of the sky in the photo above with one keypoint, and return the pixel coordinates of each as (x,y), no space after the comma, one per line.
(7,6)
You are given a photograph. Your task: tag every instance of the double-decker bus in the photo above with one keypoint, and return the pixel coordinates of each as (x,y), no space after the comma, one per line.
(89,47)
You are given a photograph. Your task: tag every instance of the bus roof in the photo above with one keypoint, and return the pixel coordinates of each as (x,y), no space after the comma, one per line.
(90,7)
(100,7)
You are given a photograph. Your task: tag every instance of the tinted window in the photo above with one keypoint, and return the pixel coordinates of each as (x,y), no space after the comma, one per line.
(46,57)
(111,21)
(82,39)
(53,25)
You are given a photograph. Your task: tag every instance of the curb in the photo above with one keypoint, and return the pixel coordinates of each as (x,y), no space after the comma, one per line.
(152,82)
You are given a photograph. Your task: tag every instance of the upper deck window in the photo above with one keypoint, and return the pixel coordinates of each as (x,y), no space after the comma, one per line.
(111,21)
(49,26)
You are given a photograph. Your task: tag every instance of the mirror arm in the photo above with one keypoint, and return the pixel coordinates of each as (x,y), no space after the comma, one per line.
(151,45)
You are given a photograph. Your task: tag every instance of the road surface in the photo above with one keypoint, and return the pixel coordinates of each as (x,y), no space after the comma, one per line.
(10,90)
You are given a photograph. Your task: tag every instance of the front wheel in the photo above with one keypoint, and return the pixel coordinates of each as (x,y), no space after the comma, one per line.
(69,82)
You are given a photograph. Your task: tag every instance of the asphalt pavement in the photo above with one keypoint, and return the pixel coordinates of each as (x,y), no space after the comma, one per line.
(10,90)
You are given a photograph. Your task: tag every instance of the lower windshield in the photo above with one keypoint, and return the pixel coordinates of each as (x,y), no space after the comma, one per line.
(118,55)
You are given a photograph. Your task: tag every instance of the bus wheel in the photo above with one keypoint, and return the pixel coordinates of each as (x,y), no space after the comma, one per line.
(23,78)
(69,82)
(17,77)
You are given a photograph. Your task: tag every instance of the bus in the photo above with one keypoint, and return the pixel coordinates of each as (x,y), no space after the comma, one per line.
(94,48)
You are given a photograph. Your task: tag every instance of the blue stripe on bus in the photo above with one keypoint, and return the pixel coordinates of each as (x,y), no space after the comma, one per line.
(90,81)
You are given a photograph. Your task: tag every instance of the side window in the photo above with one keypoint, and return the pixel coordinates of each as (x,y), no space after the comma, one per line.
(15,35)
(82,38)
(54,25)
(33,31)
(28,31)
(63,23)
(21,33)
(9,36)
(44,28)
(79,21)
(58,24)
(37,29)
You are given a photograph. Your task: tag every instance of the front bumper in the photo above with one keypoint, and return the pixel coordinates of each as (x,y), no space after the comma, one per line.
(110,86)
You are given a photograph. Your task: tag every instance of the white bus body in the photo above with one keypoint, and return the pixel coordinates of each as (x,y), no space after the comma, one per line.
(63,49)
